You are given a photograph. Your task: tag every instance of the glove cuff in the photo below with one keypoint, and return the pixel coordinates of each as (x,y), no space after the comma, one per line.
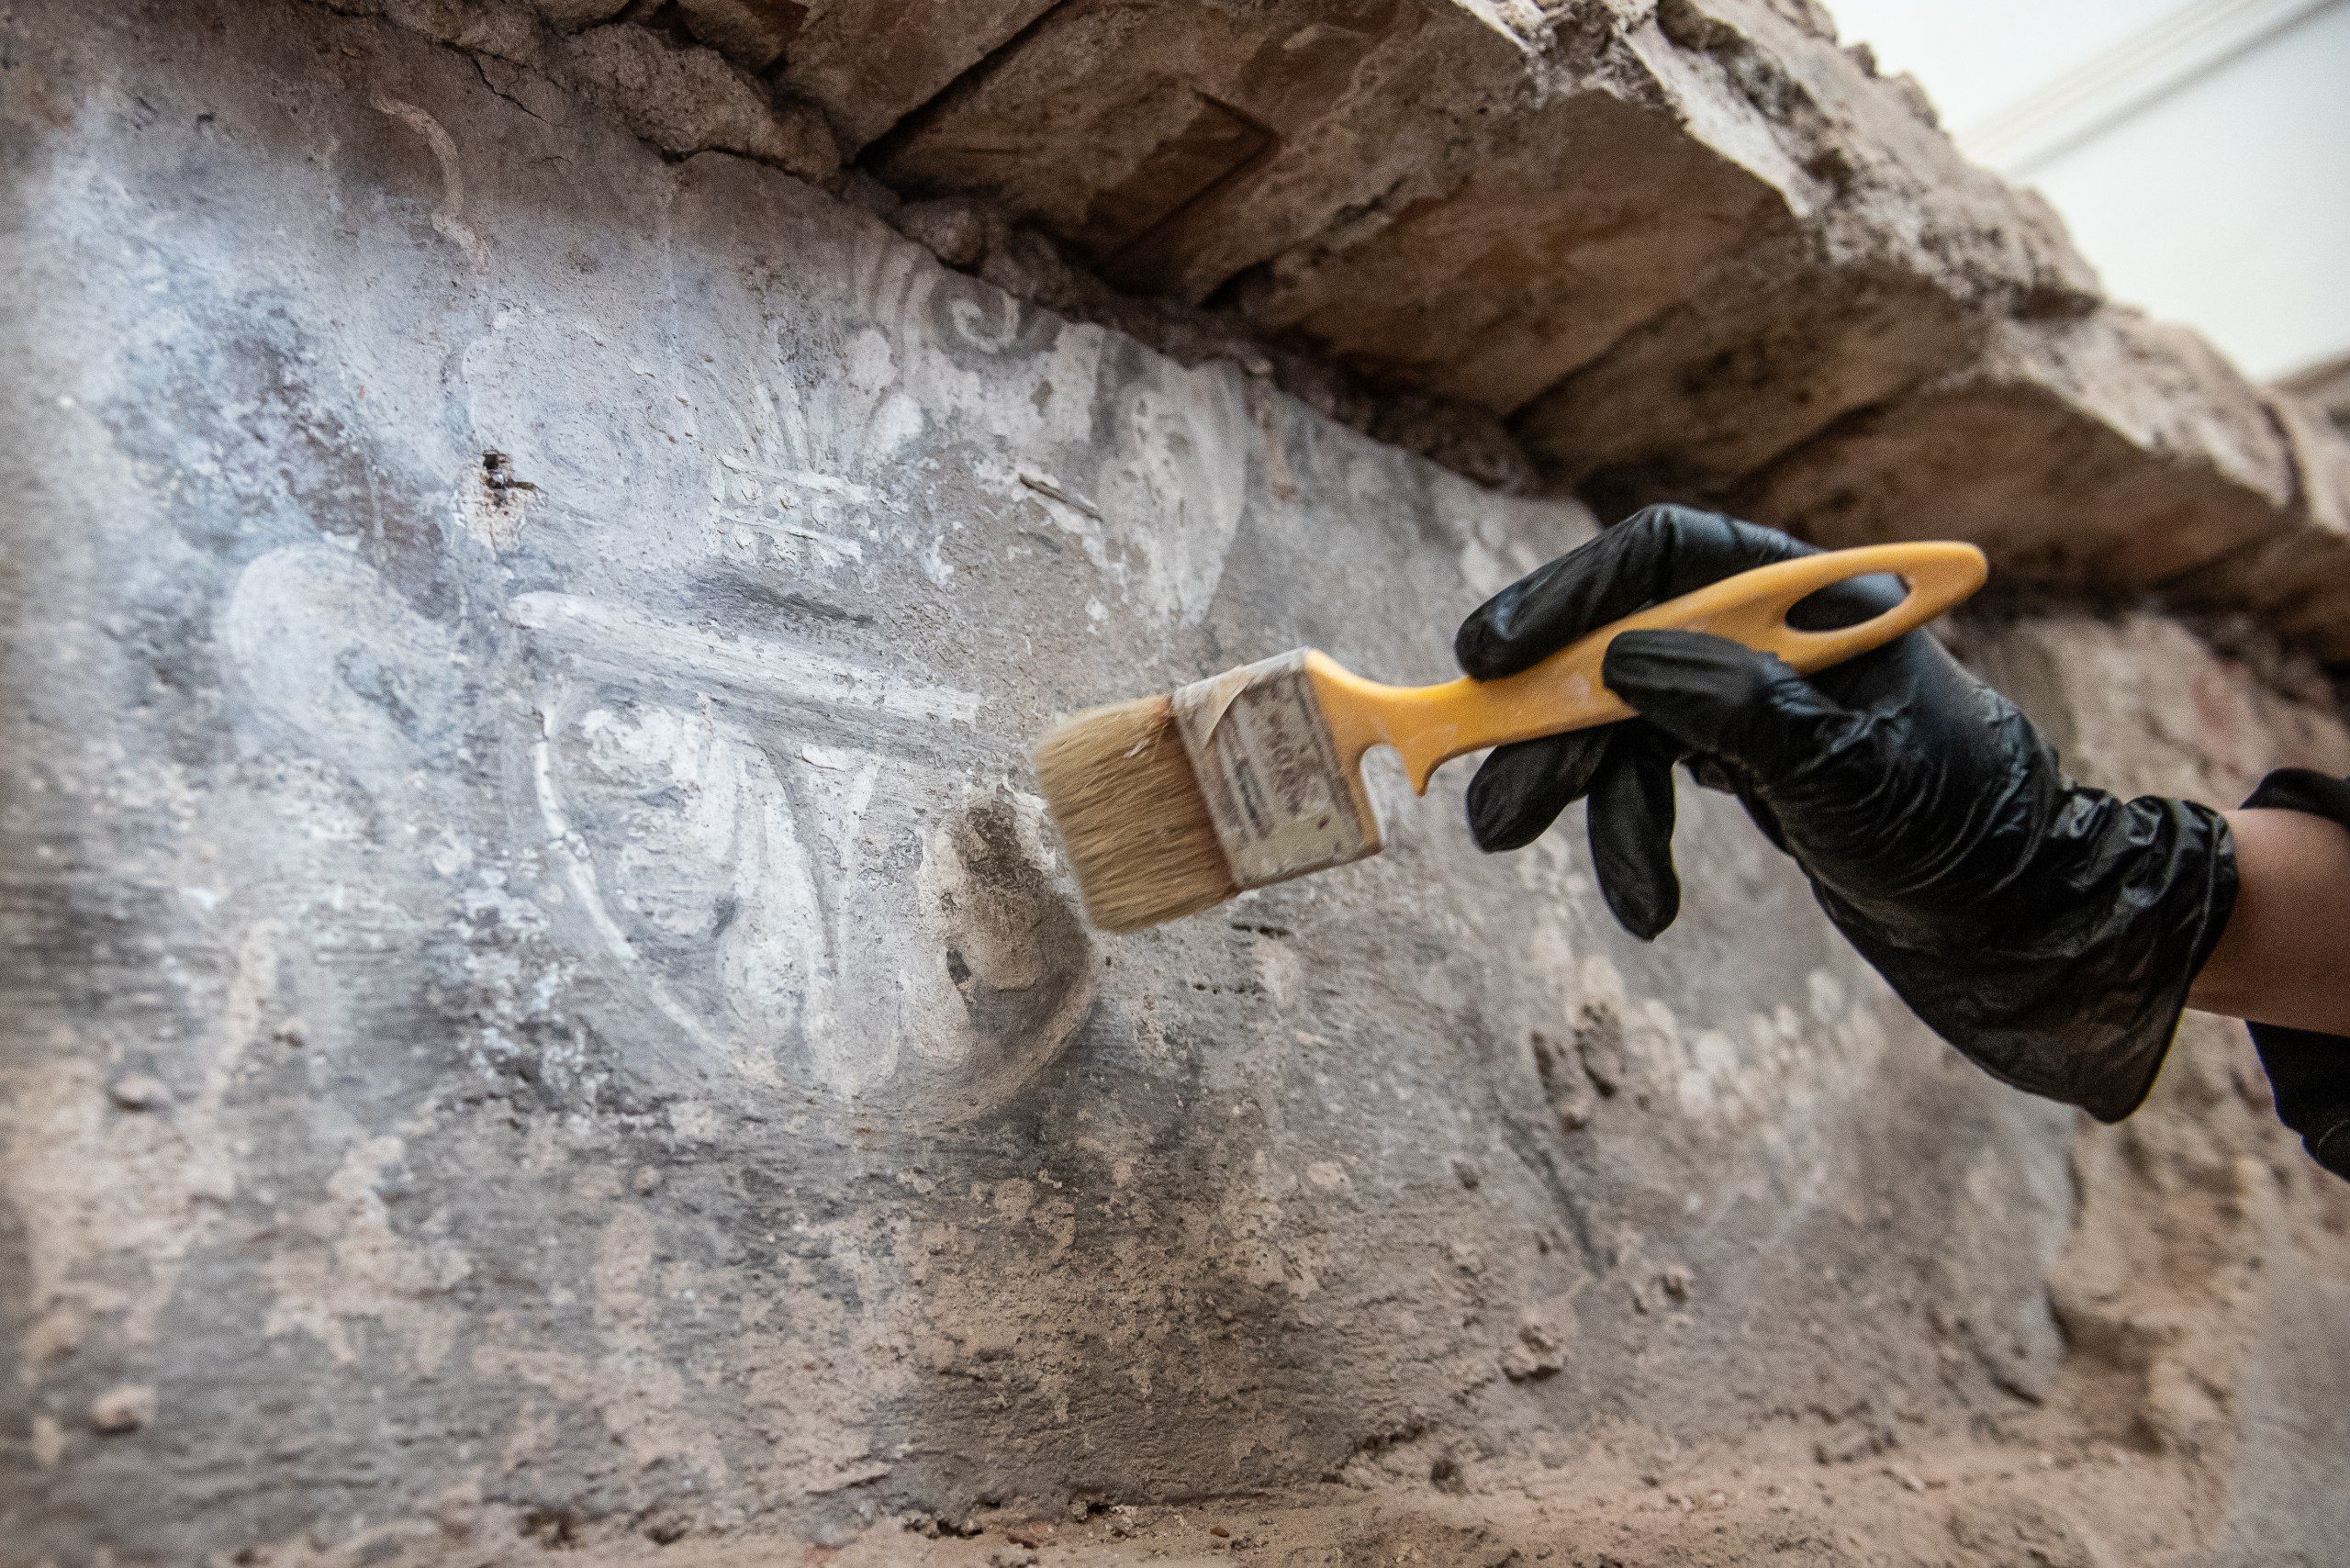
(2079,1006)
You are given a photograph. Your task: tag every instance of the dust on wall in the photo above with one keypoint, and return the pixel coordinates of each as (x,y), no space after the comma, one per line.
(545,1013)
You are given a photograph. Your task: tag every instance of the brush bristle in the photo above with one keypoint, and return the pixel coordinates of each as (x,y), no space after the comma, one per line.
(1121,788)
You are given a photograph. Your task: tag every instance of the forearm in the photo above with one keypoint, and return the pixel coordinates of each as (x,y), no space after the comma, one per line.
(2284,957)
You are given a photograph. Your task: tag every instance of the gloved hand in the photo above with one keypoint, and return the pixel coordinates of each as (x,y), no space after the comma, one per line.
(2048,931)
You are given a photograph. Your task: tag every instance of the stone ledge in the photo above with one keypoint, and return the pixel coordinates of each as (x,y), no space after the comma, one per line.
(2109,453)
(1898,272)
(1691,248)
(2299,578)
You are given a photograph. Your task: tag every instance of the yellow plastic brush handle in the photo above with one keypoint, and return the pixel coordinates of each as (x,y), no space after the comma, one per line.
(1428,725)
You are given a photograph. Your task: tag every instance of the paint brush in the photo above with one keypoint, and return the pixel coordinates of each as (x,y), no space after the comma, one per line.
(1170,805)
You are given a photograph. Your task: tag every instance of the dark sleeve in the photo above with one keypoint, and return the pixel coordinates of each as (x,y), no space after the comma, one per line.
(2309,1072)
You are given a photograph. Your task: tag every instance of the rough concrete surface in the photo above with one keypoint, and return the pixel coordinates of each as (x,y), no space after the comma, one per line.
(543,1016)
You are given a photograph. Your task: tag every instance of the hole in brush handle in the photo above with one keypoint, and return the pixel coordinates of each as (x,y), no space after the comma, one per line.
(1854,601)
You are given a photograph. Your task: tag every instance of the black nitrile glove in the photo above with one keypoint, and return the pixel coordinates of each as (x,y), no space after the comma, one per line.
(2048,931)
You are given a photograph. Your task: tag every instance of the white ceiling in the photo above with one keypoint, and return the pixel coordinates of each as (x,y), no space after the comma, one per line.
(2199,149)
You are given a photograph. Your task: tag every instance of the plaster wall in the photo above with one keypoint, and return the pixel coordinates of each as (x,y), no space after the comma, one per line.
(541,1011)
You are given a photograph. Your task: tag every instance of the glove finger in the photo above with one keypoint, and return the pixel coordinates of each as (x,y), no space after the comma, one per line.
(1631,837)
(1653,554)
(1521,789)
(1746,709)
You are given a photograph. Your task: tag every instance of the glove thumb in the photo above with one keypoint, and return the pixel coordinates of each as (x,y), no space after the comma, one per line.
(1726,700)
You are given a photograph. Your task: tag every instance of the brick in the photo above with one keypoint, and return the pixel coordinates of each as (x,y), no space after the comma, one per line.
(1903,263)
(1493,290)
(869,63)
(1416,190)
(1112,124)
(2297,582)
(752,33)
(2112,451)
(573,15)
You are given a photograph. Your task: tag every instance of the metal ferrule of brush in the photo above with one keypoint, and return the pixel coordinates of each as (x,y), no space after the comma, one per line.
(1283,800)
